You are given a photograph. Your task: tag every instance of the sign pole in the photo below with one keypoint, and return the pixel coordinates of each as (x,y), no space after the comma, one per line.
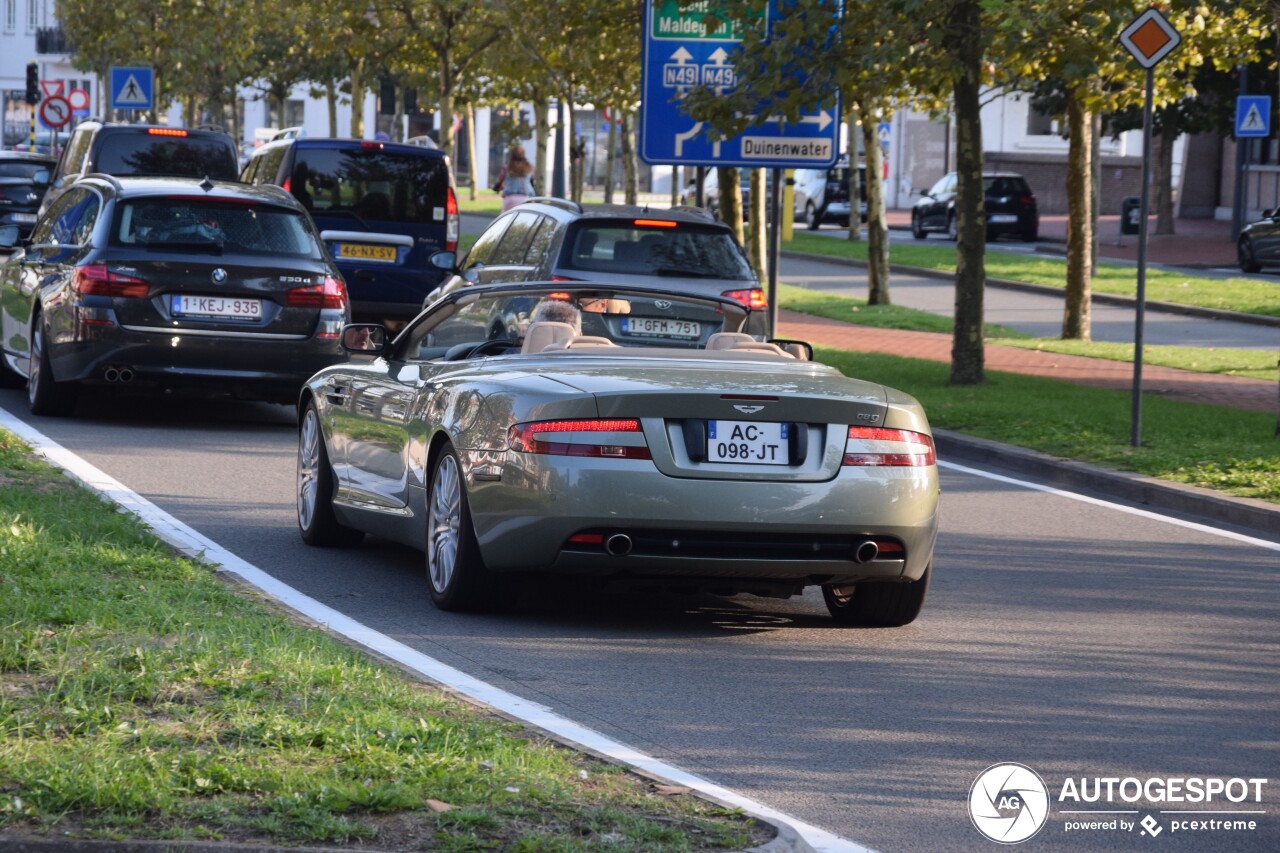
(1135,436)
(775,222)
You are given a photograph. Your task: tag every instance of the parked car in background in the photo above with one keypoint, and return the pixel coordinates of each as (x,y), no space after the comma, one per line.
(126,150)
(24,178)
(1259,243)
(822,195)
(725,464)
(48,142)
(548,239)
(383,209)
(1010,207)
(168,284)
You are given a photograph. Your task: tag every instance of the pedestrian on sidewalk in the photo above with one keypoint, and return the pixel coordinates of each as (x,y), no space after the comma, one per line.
(515,181)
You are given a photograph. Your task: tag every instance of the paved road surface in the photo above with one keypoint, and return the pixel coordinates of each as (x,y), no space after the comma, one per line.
(1071,637)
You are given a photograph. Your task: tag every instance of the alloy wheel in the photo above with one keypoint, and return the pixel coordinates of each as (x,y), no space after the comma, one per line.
(443,520)
(308,468)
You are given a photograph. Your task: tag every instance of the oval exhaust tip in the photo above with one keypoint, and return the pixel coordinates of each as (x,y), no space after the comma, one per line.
(618,545)
(866,551)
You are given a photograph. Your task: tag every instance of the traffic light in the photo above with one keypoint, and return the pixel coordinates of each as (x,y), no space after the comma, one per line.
(33,83)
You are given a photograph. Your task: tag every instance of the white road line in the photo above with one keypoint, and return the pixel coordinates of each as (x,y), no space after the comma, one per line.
(1141,513)
(199,547)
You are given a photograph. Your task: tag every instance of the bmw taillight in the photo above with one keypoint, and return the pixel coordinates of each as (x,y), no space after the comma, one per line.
(606,438)
(331,294)
(564,278)
(288,184)
(877,446)
(97,280)
(451,226)
(754,298)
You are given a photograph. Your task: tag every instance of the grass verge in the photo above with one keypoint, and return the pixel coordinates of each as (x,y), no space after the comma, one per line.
(1233,294)
(1231,451)
(1257,364)
(140,697)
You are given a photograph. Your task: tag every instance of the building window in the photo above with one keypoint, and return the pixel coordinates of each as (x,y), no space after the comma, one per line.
(33,15)
(1039,124)
(10,15)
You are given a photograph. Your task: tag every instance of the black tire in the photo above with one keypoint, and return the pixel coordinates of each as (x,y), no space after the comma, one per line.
(1030,235)
(879,604)
(811,217)
(455,569)
(315,486)
(10,378)
(46,395)
(917,227)
(1248,261)
(953,231)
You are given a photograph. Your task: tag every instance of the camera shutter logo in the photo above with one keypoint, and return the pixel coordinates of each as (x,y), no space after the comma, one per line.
(1008,803)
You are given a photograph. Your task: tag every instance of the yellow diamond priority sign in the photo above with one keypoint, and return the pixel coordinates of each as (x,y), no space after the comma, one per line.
(1150,38)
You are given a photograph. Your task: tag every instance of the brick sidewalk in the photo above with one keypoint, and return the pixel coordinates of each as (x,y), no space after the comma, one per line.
(1230,391)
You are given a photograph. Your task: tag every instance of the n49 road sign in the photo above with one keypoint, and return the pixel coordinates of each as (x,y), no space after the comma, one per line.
(684,47)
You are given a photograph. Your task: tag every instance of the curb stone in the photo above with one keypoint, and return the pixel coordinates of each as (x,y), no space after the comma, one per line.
(1260,517)
(786,841)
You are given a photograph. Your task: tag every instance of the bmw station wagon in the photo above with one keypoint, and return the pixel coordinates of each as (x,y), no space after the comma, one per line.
(172,284)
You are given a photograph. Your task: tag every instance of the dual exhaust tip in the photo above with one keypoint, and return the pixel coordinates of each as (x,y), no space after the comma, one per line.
(620,544)
(118,374)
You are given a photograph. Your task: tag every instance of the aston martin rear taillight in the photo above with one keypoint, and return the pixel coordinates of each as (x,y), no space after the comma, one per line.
(605,438)
(876,446)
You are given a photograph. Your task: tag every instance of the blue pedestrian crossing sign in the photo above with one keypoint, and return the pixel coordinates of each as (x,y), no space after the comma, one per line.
(1253,116)
(132,87)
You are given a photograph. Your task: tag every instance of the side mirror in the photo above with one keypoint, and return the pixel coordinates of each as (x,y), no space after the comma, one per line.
(41,178)
(447,261)
(365,338)
(802,350)
(9,237)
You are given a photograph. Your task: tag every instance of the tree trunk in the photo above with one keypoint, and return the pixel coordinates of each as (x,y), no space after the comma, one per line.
(357,99)
(1075,318)
(611,157)
(280,102)
(447,142)
(629,165)
(397,119)
(541,131)
(877,224)
(331,98)
(758,248)
(964,40)
(855,182)
(472,163)
(731,200)
(1164,178)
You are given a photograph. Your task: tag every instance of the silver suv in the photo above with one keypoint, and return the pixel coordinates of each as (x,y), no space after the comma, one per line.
(549,239)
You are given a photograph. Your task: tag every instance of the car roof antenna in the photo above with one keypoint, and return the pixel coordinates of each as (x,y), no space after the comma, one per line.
(206,184)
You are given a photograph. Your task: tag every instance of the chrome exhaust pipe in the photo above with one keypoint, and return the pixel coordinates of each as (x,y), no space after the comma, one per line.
(618,545)
(126,374)
(865,552)
(111,374)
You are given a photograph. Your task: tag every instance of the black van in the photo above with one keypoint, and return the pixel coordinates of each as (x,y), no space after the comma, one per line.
(128,150)
(382,208)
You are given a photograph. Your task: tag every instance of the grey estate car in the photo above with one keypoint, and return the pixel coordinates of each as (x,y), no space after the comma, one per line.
(550,239)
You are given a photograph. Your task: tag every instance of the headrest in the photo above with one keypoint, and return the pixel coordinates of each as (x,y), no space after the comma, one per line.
(539,335)
(726,340)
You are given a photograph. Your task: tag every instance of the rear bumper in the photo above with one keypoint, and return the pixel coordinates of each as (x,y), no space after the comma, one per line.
(251,369)
(804,532)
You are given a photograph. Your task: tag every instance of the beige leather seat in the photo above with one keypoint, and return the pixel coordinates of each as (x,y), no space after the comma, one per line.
(543,334)
(760,346)
(726,340)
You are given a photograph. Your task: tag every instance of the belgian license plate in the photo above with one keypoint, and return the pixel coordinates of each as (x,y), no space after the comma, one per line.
(216,306)
(1002,218)
(660,327)
(365,252)
(749,442)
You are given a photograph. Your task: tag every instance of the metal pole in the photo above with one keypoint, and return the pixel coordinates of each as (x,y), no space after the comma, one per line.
(1135,437)
(775,222)
(558,182)
(1242,147)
